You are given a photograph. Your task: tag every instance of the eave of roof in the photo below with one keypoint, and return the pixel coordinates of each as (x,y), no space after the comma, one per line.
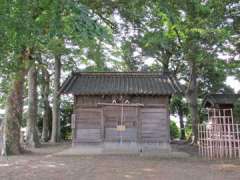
(215,99)
(126,83)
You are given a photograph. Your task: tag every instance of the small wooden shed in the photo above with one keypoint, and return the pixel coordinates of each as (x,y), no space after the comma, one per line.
(220,101)
(120,106)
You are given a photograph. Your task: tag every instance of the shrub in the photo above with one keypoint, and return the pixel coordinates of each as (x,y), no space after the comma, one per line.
(65,118)
(174,130)
(236,111)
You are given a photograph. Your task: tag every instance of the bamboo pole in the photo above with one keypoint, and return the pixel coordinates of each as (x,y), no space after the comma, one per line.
(199,139)
(229,139)
(238,140)
(220,138)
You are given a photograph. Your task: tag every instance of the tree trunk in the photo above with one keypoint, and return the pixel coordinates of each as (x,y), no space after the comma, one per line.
(47,108)
(182,128)
(192,98)
(56,101)
(13,116)
(32,139)
(165,61)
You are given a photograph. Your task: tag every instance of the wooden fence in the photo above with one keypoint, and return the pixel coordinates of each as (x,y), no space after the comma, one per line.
(219,138)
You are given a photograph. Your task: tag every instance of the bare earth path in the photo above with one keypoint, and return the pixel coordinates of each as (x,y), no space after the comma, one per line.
(44,165)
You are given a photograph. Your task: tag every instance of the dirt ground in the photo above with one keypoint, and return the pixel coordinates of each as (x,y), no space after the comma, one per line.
(43,164)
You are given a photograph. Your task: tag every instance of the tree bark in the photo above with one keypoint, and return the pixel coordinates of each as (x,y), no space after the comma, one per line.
(13,117)
(165,61)
(56,101)
(32,139)
(47,108)
(182,128)
(192,94)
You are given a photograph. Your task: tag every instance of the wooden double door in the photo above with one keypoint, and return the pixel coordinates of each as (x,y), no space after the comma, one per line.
(140,124)
(120,123)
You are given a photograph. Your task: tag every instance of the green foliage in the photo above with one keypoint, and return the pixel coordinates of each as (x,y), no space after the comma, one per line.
(213,75)
(174,33)
(178,105)
(188,132)
(45,27)
(131,63)
(236,111)
(65,119)
(174,130)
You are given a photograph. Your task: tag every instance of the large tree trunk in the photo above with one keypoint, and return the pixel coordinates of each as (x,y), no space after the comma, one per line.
(13,116)
(56,101)
(182,128)
(32,139)
(47,109)
(165,61)
(192,94)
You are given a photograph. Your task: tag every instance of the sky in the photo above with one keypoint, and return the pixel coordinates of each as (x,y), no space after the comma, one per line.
(233,82)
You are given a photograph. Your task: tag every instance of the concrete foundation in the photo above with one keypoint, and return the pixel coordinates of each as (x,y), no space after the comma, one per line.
(117,148)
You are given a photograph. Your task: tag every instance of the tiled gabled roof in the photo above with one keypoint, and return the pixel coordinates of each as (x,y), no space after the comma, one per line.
(120,83)
(216,99)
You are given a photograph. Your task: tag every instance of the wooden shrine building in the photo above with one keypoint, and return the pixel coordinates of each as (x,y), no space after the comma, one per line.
(120,106)
(219,137)
(220,101)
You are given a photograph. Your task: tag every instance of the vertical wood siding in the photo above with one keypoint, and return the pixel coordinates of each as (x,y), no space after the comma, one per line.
(112,118)
(88,125)
(143,124)
(154,126)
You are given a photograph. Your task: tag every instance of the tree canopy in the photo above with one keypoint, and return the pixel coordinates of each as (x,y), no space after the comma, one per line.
(196,41)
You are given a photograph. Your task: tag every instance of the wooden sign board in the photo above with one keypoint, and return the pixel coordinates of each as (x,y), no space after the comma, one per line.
(73,121)
(121,128)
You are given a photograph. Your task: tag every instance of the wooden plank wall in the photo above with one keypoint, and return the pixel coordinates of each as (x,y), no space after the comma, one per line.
(92,101)
(88,125)
(95,123)
(154,125)
(112,118)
